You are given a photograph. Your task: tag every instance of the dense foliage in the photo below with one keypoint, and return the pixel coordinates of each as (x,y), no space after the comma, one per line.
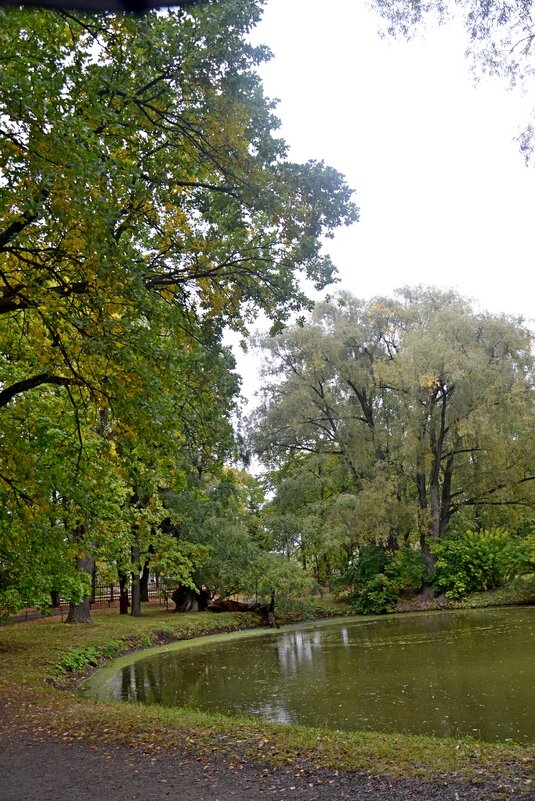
(396,422)
(480,560)
(145,203)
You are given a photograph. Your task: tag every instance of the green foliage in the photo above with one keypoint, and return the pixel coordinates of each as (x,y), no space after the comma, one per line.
(479,560)
(294,610)
(380,594)
(36,558)
(369,562)
(285,577)
(418,409)
(312,514)
(406,570)
(379,578)
(76,660)
(521,590)
(145,208)
(216,517)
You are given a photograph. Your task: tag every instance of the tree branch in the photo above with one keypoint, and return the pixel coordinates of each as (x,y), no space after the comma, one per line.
(30,383)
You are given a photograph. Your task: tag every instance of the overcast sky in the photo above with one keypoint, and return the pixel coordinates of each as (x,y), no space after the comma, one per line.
(444,195)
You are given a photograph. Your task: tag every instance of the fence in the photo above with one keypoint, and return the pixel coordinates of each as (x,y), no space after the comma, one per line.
(102,595)
(109,593)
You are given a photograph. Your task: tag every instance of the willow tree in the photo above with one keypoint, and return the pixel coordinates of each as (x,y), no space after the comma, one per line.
(145,202)
(427,403)
(499,37)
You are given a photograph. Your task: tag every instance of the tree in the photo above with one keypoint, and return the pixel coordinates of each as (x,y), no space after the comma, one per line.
(219,511)
(222,513)
(183,432)
(311,515)
(427,405)
(500,36)
(60,499)
(145,202)
(154,181)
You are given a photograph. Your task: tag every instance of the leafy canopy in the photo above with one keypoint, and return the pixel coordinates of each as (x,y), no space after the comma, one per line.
(145,203)
(422,407)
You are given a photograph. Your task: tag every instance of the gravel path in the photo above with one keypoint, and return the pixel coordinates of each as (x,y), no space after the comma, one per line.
(33,769)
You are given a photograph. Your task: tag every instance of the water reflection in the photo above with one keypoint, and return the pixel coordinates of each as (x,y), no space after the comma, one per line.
(296,649)
(448,674)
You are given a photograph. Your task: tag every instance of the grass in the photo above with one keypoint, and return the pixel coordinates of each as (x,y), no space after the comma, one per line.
(42,662)
(519,591)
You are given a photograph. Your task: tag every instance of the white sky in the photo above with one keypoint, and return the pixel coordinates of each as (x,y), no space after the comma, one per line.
(445,198)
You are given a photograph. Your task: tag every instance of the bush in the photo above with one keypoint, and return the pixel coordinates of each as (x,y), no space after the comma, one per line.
(407,571)
(379,595)
(380,578)
(76,660)
(478,560)
(370,561)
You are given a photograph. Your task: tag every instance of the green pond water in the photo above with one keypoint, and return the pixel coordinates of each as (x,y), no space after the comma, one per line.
(446,673)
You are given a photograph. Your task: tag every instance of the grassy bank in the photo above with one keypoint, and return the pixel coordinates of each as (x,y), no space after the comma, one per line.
(519,592)
(42,662)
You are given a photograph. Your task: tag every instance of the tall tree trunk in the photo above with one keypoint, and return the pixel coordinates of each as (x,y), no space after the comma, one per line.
(94,582)
(135,609)
(271,610)
(81,613)
(124,602)
(427,556)
(425,525)
(144,583)
(438,499)
(434,492)
(392,543)
(445,511)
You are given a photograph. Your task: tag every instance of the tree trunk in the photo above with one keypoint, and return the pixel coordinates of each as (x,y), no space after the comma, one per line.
(81,613)
(94,582)
(124,602)
(392,544)
(135,609)
(144,583)
(445,511)
(429,559)
(185,600)
(271,611)
(435,510)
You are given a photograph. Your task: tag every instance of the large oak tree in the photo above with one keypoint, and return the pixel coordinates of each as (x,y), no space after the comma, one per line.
(145,203)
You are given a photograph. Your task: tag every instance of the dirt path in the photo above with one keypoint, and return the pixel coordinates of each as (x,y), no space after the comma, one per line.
(33,769)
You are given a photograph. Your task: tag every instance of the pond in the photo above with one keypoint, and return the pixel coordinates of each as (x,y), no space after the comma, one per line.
(444,673)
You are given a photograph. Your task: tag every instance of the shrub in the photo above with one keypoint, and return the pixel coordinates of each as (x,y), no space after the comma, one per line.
(369,561)
(407,571)
(380,578)
(379,595)
(76,660)
(478,560)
